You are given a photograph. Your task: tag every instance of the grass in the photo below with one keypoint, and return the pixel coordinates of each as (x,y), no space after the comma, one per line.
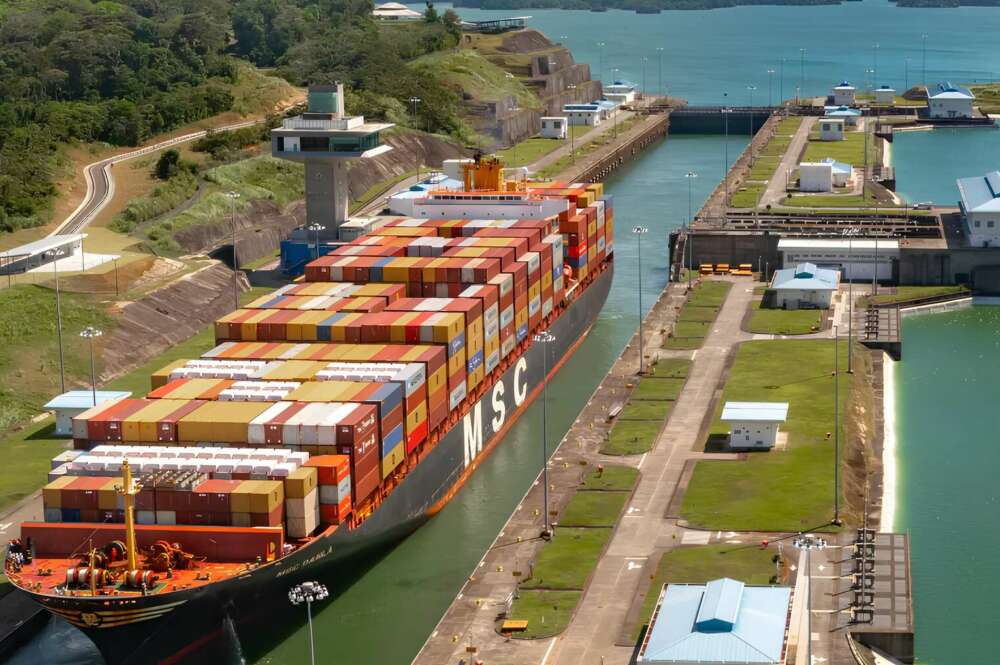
(547,612)
(657,388)
(747,195)
(778,490)
(614,477)
(650,410)
(850,151)
(593,509)
(531,150)
(697,565)
(907,293)
(631,437)
(683,343)
(670,368)
(566,562)
(605,142)
(784,321)
(29,454)
(477,76)
(697,315)
(709,293)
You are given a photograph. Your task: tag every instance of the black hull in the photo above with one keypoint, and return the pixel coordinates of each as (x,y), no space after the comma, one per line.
(173,627)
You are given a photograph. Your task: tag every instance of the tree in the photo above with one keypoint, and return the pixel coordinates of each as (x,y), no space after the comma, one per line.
(430,14)
(451,21)
(168,164)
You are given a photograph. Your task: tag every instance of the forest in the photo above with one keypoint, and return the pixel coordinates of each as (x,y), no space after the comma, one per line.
(120,72)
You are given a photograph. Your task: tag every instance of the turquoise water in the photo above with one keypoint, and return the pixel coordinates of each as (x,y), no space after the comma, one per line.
(947,423)
(927,163)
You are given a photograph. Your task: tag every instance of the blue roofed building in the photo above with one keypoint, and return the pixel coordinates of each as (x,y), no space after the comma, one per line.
(721,622)
(979,201)
(71,404)
(844,94)
(804,286)
(946,100)
(850,116)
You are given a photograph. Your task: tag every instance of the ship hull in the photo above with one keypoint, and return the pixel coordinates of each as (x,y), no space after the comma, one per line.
(172,627)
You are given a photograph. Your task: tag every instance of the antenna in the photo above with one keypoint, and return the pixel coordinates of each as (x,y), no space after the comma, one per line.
(129,489)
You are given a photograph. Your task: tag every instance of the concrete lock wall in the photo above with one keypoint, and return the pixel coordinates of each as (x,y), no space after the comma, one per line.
(752,248)
(691,120)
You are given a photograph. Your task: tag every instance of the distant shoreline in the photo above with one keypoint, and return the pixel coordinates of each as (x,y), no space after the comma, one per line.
(658,6)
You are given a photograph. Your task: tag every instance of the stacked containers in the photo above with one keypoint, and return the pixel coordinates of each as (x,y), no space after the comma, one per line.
(334,491)
(258,503)
(302,502)
(487,295)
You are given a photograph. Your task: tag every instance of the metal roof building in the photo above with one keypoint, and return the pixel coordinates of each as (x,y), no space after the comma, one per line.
(724,621)
(75,402)
(805,276)
(980,194)
(755,411)
(40,252)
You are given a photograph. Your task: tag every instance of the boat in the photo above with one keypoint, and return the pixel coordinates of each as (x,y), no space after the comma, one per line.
(149,585)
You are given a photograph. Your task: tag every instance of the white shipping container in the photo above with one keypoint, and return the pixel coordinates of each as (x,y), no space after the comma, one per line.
(304,506)
(166,517)
(145,517)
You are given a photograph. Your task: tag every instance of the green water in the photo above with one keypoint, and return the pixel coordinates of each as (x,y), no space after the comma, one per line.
(947,422)
(928,162)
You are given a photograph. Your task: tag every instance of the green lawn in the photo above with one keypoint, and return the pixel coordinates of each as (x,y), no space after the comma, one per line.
(566,562)
(850,151)
(670,368)
(826,201)
(702,314)
(764,167)
(709,293)
(683,343)
(646,410)
(693,328)
(657,388)
(531,150)
(547,612)
(778,490)
(747,195)
(906,293)
(697,565)
(593,509)
(784,322)
(614,477)
(632,437)
(697,315)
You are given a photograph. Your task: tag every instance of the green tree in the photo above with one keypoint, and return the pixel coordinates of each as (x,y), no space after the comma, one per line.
(430,14)
(168,164)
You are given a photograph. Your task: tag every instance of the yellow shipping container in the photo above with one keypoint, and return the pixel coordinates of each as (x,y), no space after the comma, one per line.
(222,422)
(141,426)
(457,361)
(302,327)
(239,498)
(437,380)
(416,416)
(192,389)
(162,376)
(108,497)
(300,482)
(392,460)
(52,493)
(294,370)
(266,495)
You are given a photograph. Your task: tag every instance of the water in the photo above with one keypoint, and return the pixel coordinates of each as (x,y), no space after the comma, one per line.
(947,384)
(928,163)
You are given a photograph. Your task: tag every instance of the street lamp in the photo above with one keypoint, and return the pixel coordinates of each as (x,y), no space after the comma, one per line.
(236,262)
(924,38)
(836,424)
(874,65)
(544,337)
(642,93)
(600,45)
(316,228)
(850,233)
(690,175)
(770,88)
(308,593)
(725,155)
(572,134)
(90,333)
(751,89)
(62,362)
(640,231)
(413,109)
(808,543)
(659,82)
(781,82)
(802,69)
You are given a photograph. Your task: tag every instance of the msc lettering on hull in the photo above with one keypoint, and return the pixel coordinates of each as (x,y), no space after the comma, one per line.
(472,423)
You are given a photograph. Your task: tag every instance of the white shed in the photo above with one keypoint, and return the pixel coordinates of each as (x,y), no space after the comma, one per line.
(831,129)
(815,177)
(73,403)
(754,424)
(885,96)
(554,127)
(844,94)
(949,101)
(804,286)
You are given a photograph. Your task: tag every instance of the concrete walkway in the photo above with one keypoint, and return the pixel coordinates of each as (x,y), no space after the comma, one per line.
(790,160)
(645,527)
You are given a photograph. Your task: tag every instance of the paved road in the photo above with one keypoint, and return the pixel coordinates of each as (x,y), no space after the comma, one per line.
(776,186)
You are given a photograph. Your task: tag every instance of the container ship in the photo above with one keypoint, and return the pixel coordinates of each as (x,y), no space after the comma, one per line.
(334,416)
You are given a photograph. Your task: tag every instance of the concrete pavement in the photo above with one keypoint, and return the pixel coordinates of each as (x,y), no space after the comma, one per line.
(790,160)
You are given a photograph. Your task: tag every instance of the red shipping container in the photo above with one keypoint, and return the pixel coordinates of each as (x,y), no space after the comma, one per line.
(166,428)
(331,469)
(273,518)
(355,428)
(214,495)
(107,426)
(334,513)
(274,429)
(366,485)
(90,515)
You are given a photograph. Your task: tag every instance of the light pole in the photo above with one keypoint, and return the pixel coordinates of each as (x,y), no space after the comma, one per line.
(308,593)
(770,88)
(836,424)
(236,262)
(544,337)
(659,75)
(850,294)
(725,155)
(802,69)
(640,231)
(906,74)
(572,135)
(690,175)
(62,361)
(90,333)
(751,89)
(875,66)
(807,543)
(600,46)
(316,228)
(781,82)
(642,93)
(924,75)
(413,109)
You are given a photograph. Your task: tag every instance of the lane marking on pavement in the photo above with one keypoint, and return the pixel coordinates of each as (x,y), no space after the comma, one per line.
(642,459)
(696,537)
(5,526)
(548,651)
(632,565)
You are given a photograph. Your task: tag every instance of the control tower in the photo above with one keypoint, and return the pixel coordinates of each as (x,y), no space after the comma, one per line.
(324,138)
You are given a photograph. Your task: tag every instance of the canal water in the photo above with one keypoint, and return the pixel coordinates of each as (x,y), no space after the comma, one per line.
(947,422)
(927,163)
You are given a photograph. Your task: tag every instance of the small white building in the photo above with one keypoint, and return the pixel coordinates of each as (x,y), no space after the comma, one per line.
(588,115)
(980,206)
(554,127)
(394,11)
(71,404)
(853,258)
(831,129)
(754,424)
(805,286)
(815,177)
(885,96)
(949,101)
(851,117)
(620,92)
(844,94)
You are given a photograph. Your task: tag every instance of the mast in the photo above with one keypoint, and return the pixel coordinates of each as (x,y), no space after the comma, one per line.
(129,490)
(92,573)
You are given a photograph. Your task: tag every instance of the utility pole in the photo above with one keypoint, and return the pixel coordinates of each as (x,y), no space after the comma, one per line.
(770,88)
(659,75)
(924,76)
(236,262)
(781,82)
(690,175)
(875,66)
(850,296)
(751,89)
(600,45)
(62,360)
(725,155)
(639,231)
(836,424)
(544,337)
(906,74)
(413,107)
(90,333)
(802,69)
(308,593)
(642,94)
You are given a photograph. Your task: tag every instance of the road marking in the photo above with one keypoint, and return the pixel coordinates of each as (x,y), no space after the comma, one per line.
(696,538)
(5,526)
(632,565)
(545,658)
(641,460)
